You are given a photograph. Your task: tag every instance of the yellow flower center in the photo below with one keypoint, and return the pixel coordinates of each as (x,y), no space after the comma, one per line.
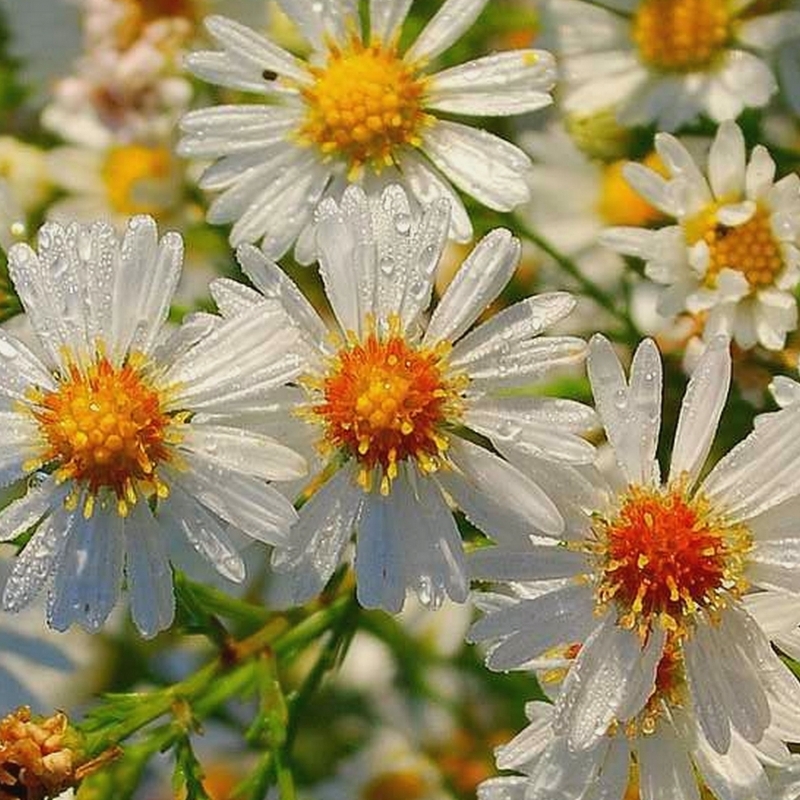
(661,557)
(619,203)
(681,35)
(364,104)
(396,786)
(106,428)
(140,179)
(751,248)
(384,401)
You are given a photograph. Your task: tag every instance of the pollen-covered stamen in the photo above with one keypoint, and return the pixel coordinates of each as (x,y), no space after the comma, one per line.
(364,104)
(681,35)
(385,401)
(663,556)
(750,248)
(106,427)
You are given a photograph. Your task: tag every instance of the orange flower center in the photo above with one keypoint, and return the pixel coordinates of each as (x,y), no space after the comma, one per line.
(364,104)
(385,401)
(681,35)
(663,556)
(106,428)
(750,248)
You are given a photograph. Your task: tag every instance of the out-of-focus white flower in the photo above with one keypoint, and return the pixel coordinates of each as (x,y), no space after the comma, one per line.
(666,61)
(653,572)
(117,413)
(23,168)
(357,111)
(12,217)
(116,182)
(388,396)
(734,253)
(389,768)
(125,87)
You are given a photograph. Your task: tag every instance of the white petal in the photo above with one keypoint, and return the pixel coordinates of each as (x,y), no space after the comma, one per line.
(665,771)
(481,164)
(247,503)
(523,320)
(24,513)
(317,540)
(760,173)
(20,369)
(726,162)
(379,556)
(612,677)
(386,18)
(35,565)
(658,191)
(452,19)
(243,451)
(506,486)
(511,82)
(737,775)
(274,283)
(251,50)
(478,282)
(203,531)
(701,409)
(428,185)
(149,577)
(89,574)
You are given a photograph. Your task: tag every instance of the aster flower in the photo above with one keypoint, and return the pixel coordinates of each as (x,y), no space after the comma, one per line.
(652,568)
(670,759)
(393,403)
(109,423)
(734,253)
(358,110)
(666,61)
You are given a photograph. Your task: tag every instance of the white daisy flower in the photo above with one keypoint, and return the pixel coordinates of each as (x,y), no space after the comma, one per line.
(358,110)
(394,403)
(666,61)
(110,425)
(734,253)
(671,759)
(649,567)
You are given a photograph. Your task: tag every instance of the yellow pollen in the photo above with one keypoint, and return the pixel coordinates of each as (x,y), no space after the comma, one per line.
(364,104)
(750,248)
(681,35)
(662,556)
(619,203)
(384,401)
(105,427)
(139,179)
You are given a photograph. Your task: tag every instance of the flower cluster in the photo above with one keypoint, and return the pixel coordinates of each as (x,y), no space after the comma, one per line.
(277,455)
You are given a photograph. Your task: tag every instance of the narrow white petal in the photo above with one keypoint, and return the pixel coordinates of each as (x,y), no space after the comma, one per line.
(204,532)
(386,17)
(149,576)
(428,185)
(737,775)
(612,677)
(244,451)
(247,503)
(20,369)
(665,771)
(760,173)
(89,575)
(523,320)
(317,540)
(701,409)
(379,556)
(726,162)
(478,282)
(452,19)
(21,514)
(511,82)
(481,164)
(506,486)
